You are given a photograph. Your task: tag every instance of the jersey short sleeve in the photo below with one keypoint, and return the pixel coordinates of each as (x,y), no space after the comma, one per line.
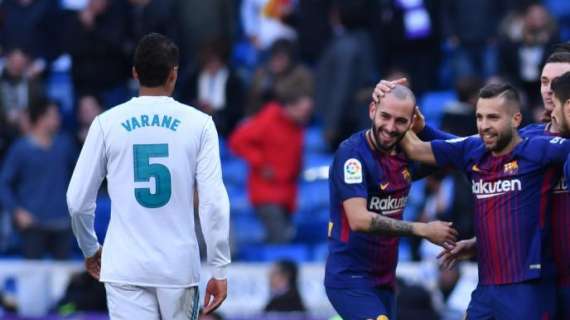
(550,150)
(348,173)
(451,152)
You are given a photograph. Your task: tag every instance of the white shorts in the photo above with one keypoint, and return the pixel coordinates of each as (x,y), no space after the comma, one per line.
(149,303)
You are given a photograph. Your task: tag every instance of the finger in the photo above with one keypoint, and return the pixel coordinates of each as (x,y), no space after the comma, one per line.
(214,304)
(207,300)
(442,254)
(400,81)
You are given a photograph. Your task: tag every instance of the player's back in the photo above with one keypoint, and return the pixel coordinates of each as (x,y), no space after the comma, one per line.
(151,145)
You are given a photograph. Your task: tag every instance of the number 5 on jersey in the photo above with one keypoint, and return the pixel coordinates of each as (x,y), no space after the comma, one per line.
(144,170)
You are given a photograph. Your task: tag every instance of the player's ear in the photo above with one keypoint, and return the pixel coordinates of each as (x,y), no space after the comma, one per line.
(517,119)
(134,73)
(372,110)
(173,76)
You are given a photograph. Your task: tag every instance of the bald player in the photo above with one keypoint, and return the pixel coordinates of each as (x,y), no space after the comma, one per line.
(369,182)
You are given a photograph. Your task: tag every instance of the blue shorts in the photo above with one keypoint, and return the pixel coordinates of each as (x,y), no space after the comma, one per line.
(363,303)
(532,300)
(563,295)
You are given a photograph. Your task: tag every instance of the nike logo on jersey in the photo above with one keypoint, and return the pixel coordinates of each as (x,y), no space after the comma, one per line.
(383,186)
(475,168)
(483,190)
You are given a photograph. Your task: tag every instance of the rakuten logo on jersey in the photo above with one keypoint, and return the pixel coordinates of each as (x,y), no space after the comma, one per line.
(561,186)
(484,190)
(387,206)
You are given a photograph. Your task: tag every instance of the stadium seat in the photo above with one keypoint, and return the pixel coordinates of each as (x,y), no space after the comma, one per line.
(239,200)
(432,104)
(314,141)
(246,229)
(312,196)
(234,171)
(269,253)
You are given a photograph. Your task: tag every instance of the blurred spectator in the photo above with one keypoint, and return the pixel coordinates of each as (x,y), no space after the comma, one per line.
(17,91)
(33,183)
(146,16)
(346,73)
(311,22)
(473,42)
(33,25)
(411,35)
(280,66)
(265,21)
(88,107)
(201,22)
(414,302)
(97,40)
(284,291)
(521,61)
(459,116)
(272,144)
(83,293)
(216,89)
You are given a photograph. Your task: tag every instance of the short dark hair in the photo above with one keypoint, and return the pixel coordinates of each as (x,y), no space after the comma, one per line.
(38,108)
(559,57)
(155,56)
(561,87)
(505,90)
(561,47)
(290,270)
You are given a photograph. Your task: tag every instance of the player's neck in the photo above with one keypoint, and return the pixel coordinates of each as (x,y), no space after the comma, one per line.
(154,91)
(510,146)
(41,136)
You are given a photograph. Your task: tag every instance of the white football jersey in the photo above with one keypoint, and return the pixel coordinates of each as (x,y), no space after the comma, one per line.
(153,151)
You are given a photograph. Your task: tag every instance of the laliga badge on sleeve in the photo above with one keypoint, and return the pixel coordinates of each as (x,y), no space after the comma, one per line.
(352,171)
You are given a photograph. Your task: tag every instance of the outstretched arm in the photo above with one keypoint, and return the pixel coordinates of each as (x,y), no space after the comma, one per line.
(362,220)
(417,149)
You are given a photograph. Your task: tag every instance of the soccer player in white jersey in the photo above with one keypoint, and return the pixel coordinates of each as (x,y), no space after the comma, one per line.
(153,150)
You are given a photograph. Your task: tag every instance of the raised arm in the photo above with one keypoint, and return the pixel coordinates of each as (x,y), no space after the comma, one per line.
(416,149)
(362,220)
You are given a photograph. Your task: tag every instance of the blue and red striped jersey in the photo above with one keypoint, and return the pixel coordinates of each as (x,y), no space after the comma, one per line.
(360,259)
(560,214)
(512,195)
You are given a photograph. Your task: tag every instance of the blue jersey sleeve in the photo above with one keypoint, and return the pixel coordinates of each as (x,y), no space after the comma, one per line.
(451,152)
(430,133)
(348,174)
(552,150)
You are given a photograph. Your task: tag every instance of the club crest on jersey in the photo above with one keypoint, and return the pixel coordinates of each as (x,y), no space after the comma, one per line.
(352,171)
(511,167)
(407,175)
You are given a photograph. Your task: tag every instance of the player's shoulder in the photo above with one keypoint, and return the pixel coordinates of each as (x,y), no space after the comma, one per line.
(352,145)
(534,129)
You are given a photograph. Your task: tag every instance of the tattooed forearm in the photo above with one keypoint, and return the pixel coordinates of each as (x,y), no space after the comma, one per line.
(390,226)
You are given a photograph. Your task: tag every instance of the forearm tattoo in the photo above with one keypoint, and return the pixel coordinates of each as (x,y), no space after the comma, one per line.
(390,226)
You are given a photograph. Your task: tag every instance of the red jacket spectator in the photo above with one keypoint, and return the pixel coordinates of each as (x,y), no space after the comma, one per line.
(271,142)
